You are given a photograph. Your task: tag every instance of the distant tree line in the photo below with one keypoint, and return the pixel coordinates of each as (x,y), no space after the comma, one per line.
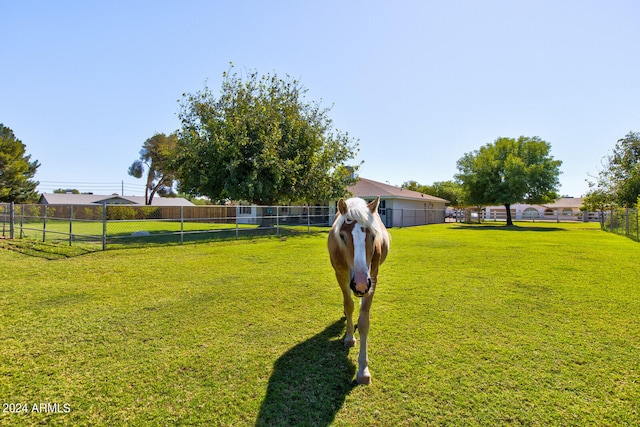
(448,190)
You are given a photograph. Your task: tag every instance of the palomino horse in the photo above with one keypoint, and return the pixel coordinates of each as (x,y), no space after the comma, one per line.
(358,244)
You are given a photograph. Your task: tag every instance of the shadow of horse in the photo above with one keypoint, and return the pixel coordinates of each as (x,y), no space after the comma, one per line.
(309,382)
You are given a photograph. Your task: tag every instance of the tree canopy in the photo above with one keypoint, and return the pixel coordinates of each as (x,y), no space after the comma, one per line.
(448,190)
(261,141)
(157,155)
(619,181)
(66,191)
(510,171)
(16,170)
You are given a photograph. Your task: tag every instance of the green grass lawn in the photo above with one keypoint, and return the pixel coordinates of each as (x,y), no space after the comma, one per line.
(472,325)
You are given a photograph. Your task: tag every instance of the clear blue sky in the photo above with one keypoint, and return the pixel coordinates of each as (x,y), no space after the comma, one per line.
(418,83)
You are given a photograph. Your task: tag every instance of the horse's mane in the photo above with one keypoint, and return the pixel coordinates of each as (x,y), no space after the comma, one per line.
(357,210)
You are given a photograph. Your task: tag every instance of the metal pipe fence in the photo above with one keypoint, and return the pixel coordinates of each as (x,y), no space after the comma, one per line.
(122,225)
(623,221)
(104,226)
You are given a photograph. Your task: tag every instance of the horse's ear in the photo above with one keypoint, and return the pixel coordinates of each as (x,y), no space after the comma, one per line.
(373,206)
(342,206)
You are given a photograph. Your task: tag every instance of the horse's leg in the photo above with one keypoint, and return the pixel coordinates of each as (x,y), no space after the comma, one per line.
(363,376)
(349,339)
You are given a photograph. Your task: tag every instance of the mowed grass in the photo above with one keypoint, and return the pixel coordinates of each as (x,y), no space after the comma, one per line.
(471,325)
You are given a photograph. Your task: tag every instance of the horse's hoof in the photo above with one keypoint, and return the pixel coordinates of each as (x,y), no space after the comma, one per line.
(364,379)
(349,342)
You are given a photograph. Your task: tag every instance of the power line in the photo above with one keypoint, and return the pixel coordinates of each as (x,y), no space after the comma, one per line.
(91,183)
(121,187)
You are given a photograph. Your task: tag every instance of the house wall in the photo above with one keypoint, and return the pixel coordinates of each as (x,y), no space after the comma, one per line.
(246,214)
(290,215)
(526,212)
(407,213)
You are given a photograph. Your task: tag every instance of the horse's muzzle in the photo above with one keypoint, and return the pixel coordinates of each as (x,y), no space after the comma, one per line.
(360,291)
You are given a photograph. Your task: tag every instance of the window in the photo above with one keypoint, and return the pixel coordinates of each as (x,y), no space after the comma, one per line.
(382,207)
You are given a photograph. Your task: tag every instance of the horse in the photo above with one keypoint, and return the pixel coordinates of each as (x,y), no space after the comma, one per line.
(358,244)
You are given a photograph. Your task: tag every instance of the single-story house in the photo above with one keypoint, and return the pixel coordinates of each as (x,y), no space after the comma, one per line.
(114,199)
(566,208)
(400,207)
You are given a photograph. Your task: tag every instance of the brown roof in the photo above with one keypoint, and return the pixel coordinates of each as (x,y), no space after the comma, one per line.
(368,188)
(93,199)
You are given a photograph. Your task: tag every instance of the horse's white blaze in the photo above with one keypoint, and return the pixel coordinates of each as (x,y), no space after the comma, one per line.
(360,267)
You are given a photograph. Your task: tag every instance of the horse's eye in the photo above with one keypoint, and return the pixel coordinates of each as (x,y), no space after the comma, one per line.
(343,236)
(364,230)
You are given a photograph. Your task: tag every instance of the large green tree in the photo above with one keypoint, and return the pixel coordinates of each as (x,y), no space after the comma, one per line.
(16,170)
(619,181)
(261,141)
(157,156)
(510,171)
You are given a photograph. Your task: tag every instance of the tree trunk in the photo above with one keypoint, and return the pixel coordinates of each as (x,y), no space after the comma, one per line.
(147,199)
(154,190)
(266,216)
(508,208)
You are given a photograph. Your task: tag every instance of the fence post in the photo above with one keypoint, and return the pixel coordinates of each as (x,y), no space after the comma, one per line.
(21,221)
(70,225)
(12,220)
(44,224)
(308,220)
(181,225)
(236,219)
(277,220)
(104,226)
(626,221)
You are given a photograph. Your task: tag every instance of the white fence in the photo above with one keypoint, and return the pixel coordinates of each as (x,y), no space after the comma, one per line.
(473,214)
